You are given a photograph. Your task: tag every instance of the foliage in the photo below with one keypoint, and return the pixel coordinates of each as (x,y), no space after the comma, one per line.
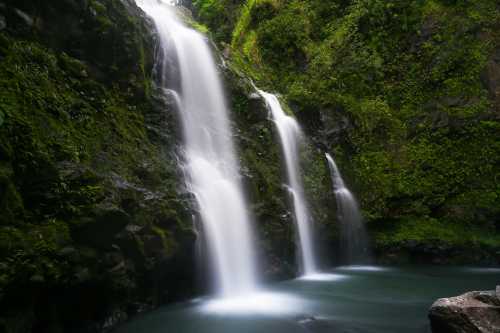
(83,153)
(396,89)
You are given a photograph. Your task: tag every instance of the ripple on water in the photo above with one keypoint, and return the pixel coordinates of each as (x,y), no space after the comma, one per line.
(483,270)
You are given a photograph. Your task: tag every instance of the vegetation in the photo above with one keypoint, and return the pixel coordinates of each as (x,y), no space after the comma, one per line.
(402,93)
(88,185)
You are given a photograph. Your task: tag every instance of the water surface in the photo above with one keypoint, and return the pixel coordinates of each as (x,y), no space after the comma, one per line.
(346,299)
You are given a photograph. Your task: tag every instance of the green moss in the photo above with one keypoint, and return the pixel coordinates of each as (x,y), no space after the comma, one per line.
(200,27)
(401,87)
(31,253)
(71,147)
(433,230)
(98,7)
(85,164)
(219,15)
(243,21)
(169,244)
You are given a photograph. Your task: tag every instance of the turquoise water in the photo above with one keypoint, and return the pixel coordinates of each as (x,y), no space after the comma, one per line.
(345,299)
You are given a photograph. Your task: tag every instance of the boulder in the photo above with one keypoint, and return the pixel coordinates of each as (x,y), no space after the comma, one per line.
(475,311)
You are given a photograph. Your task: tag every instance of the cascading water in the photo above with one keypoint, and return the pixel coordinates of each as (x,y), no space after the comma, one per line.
(354,246)
(290,133)
(209,156)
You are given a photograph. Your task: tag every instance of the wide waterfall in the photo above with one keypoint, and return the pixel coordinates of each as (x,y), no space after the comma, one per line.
(354,248)
(290,134)
(210,164)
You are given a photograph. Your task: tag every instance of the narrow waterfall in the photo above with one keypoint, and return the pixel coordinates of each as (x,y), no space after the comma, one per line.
(354,246)
(290,134)
(211,168)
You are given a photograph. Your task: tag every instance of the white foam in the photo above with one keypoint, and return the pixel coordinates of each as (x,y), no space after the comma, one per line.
(263,303)
(484,269)
(366,268)
(323,277)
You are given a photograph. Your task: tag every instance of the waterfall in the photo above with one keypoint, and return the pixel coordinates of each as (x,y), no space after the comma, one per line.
(290,134)
(209,159)
(353,237)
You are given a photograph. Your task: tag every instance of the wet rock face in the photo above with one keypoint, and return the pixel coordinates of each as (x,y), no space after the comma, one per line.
(261,170)
(476,311)
(491,78)
(93,227)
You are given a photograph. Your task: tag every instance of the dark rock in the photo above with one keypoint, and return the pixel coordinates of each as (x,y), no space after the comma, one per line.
(491,78)
(114,319)
(435,252)
(476,311)
(28,20)
(82,274)
(104,226)
(323,325)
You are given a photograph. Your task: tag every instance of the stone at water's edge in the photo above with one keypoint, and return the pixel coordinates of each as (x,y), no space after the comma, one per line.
(472,312)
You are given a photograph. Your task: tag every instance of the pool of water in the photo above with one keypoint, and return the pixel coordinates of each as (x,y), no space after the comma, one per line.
(343,300)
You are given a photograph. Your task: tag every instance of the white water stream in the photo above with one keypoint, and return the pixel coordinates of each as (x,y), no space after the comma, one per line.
(290,134)
(353,238)
(212,171)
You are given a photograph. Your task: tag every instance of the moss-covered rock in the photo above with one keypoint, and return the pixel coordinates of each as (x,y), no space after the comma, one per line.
(92,221)
(265,175)
(403,94)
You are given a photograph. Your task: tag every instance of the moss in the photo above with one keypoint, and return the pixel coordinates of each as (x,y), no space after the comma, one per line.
(219,15)
(441,231)
(99,8)
(396,90)
(86,168)
(78,162)
(169,245)
(31,253)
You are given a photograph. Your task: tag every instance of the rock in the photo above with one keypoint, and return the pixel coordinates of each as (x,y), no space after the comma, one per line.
(226,53)
(69,253)
(491,78)
(114,319)
(475,311)
(100,229)
(25,17)
(319,325)
(82,274)
(255,96)
(37,278)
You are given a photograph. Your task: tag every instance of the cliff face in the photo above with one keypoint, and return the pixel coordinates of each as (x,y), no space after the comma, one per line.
(93,223)
(403,94)
(264,172)
(96,224)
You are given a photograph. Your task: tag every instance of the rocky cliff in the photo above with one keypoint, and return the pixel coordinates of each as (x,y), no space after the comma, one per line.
(96,224)
(405,97)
